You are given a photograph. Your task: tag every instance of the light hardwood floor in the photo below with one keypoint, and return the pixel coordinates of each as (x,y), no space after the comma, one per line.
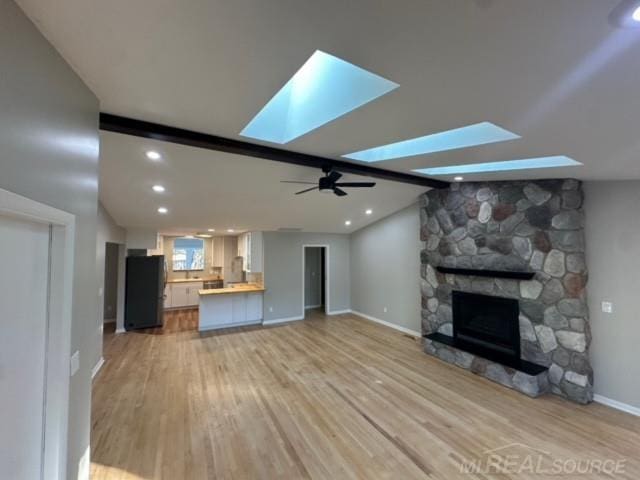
(325,398)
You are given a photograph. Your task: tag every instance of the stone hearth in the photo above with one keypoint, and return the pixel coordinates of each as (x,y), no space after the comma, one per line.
(516,226)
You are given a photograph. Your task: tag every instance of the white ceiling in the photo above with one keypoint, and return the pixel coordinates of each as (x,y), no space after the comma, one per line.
(206,189)
(553,71)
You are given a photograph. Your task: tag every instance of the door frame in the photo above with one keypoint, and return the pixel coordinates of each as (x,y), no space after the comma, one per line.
(58,344)
(326,279)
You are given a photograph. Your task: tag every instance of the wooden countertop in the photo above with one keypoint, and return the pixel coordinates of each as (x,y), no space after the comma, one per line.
(249,288)
(189,280)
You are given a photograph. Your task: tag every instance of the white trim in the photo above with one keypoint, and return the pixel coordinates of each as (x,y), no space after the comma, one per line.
(58,347)
(339,312)
(624,407)
(97,367)
(120,330)
(388,324)
(282,320)
(229,325)
(327,277)
(309,307)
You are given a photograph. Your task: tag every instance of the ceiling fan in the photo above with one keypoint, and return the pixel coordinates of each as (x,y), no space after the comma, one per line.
(329,183)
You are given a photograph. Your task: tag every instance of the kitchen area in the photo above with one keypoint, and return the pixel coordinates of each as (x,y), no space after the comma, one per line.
(219,275)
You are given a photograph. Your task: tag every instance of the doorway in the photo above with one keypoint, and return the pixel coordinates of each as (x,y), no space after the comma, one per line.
(35,330)
(315,278)
(110,309)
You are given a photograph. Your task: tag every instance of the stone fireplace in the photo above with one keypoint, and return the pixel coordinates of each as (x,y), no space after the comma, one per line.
(511,243)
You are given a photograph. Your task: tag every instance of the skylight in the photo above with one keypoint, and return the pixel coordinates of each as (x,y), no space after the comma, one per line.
(469,136)
(324,89)
(525,164)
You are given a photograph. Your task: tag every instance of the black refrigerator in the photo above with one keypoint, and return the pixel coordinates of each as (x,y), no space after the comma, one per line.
(144,297)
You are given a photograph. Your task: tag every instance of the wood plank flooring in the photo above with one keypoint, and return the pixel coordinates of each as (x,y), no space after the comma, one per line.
(325,398)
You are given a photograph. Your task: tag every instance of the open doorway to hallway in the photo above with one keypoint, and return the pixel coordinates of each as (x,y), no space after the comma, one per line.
(110,300)
(315,279)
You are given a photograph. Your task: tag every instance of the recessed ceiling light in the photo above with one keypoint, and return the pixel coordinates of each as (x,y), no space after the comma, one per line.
(636,14)
(529,163)
(347,223)
(203,235)
(458,178)
(163,210)
(323,89)
(469,136)
(158,188)
(153,155)
(190,237)
(230,230)
(368,212)
(211,230)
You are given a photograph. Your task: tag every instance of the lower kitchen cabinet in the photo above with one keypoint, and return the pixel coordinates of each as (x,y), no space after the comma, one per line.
(226,310)
(182,295)
(254,307)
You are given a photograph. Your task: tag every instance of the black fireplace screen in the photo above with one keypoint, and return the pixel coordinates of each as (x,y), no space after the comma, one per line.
(491,322)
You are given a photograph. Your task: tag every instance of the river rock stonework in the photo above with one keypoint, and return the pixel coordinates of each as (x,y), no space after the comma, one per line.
(513,225)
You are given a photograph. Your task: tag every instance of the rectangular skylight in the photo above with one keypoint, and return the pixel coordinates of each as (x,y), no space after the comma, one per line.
(324,89)
(525,164)
(469,136)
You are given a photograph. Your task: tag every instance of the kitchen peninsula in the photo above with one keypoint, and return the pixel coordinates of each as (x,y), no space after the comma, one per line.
(230,307)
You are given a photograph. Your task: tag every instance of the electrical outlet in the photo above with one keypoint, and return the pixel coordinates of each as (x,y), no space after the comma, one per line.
(270,309)
(75,363)
(384,309)
(607,307)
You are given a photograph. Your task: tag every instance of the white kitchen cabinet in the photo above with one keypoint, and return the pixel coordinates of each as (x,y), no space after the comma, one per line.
(254,307)
(167,296)
(243,240)
(217,259)
(184,294)
(239,309)
(230,309)
(254,253)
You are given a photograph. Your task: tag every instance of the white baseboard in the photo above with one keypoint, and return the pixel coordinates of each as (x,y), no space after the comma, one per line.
(309,307)
(408,331)
(339,312)
(120,330)
(97,367)
(617,405)
(282,320)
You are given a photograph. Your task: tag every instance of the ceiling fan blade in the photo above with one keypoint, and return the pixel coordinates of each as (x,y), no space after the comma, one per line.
(340,193)
(301,183)
(356,184)
(334,176)
(307,190)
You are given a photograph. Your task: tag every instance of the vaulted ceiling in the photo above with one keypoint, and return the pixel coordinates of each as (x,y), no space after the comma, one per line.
(555,72)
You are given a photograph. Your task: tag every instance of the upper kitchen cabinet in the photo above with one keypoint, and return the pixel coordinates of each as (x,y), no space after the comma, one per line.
(217,255)
(250,248)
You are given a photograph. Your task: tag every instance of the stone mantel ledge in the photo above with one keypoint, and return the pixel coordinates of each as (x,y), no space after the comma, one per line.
(513,225)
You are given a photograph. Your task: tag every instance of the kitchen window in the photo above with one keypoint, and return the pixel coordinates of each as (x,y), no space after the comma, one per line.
(188,254)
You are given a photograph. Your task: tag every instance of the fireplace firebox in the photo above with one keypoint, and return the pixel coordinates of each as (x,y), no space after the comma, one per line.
(487,322)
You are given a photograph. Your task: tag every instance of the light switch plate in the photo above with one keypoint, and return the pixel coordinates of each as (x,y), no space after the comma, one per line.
(607,307)
(75,363)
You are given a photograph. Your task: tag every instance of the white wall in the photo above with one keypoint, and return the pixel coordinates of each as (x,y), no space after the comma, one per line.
(106,231)
(50,147)
(385,269)
(283,272)
(613,258)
